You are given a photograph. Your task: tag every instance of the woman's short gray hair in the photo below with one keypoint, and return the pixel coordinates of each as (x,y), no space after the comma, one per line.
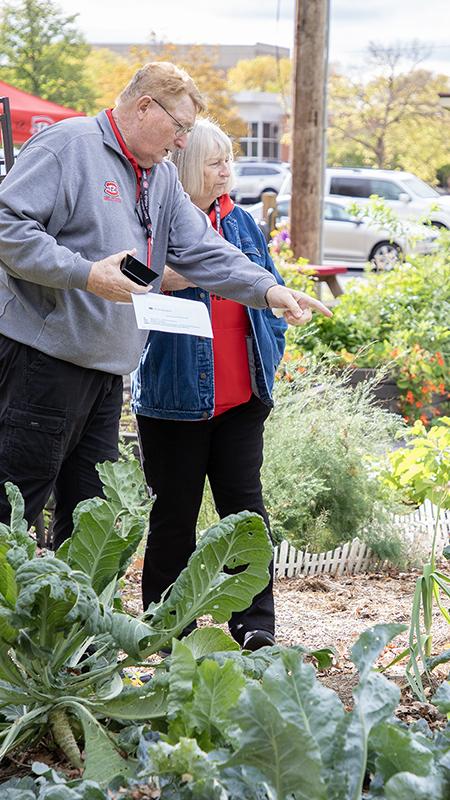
(205,141)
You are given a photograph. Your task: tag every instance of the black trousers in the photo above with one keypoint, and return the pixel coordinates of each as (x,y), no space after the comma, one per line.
(177,457)
(57,420)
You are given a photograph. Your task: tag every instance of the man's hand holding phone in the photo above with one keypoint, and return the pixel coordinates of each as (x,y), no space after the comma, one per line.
(107,279)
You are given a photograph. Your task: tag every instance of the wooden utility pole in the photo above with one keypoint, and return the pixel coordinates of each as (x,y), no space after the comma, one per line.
(309,126)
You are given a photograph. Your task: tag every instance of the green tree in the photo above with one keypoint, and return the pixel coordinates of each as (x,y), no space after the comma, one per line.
(393,120)
(108,73)
(44,53)
(213,85)
(263,74)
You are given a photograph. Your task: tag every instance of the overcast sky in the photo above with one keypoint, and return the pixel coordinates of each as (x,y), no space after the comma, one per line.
(353,23)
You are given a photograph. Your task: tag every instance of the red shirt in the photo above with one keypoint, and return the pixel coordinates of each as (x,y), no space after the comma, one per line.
(231,329)
(125,151)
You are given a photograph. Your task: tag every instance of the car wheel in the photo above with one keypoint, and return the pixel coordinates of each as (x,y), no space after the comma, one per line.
(385,255)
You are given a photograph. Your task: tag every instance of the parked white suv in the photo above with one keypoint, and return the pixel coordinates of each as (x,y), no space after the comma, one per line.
(407,194)
(255,177)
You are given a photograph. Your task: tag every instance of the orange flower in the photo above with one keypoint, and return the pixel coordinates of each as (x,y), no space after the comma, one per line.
(424,419)
(395,352)
(441,388)
(419,404)
(409,396)
(440,360)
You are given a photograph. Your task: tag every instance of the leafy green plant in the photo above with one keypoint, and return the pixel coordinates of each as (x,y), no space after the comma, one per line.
(319,482)
(421,471)
(61,632)
(397,319)
(279,735)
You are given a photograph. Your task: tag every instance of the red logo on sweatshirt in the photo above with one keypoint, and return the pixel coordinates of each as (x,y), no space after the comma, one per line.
(111,191)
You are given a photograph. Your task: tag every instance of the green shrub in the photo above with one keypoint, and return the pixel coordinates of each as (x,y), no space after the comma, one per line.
(320,486)
(398,318)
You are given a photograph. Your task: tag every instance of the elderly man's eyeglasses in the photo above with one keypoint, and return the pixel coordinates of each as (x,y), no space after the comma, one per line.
(181,129)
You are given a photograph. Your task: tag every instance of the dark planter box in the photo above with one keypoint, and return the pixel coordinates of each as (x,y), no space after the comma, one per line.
(385,392)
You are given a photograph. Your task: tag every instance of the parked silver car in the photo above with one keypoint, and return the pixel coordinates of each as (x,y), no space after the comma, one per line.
(355,242)
(253,178)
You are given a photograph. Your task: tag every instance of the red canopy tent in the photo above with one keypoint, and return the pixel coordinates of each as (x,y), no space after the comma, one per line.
(29,114)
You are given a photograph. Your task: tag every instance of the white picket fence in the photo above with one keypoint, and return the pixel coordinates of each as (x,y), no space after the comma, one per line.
(353,557)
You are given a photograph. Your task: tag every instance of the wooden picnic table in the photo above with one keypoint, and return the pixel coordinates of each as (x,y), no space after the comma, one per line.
(328,274)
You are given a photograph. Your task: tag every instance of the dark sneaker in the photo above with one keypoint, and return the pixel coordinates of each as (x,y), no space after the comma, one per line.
(253,640)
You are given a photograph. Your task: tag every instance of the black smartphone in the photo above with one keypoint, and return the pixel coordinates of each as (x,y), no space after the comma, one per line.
(137,271)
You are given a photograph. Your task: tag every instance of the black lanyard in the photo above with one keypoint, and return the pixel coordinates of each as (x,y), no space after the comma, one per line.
(217,210)
(144,214)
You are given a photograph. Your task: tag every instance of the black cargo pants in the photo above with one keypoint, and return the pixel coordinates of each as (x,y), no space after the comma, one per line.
(57,420)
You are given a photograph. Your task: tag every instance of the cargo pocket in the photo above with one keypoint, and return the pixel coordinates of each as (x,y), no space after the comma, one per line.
(34,442)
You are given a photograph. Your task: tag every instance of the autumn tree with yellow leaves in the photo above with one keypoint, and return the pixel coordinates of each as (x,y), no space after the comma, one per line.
(109,72)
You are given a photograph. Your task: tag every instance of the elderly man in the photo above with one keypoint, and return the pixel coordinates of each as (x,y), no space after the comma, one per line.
(80,191)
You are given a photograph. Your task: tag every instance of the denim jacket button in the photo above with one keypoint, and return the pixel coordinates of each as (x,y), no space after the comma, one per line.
(203,376)
(202,295)
(205,415)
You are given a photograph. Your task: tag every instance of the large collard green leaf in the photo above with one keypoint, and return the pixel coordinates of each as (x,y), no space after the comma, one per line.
(406,786)
(100,546)
(240,540)
(181,676)
(286,753)
(441,698)
(375,699)
(18,529)
(124,485)
(107,532)
(216,692)
(103,760)
(16,547)
(137,703)
(400,750)
(132,635)
(50,591)
(301,699)
(255,665)
(204,641)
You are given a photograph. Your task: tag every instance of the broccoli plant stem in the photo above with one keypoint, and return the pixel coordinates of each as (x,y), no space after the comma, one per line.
(64,738)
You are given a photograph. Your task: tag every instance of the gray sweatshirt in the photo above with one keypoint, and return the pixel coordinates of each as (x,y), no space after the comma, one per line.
(69,200)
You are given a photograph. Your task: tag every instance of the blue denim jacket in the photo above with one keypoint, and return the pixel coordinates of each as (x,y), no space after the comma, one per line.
(175,376)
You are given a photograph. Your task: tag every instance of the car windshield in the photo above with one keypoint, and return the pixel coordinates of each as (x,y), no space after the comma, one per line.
(420,188)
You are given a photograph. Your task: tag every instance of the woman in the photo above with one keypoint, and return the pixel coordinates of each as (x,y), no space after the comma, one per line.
(201,404)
